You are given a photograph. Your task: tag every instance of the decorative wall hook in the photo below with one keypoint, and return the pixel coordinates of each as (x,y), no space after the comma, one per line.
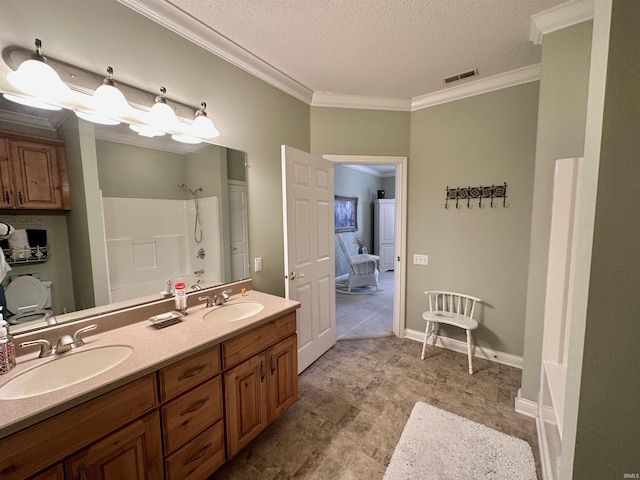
(472,193)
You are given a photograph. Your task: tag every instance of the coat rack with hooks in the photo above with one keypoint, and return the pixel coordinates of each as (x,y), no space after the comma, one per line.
(467,195)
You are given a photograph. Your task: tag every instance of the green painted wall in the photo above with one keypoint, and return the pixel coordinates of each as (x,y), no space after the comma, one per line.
(608,421)
(483,140)
(343,131)
(562,111)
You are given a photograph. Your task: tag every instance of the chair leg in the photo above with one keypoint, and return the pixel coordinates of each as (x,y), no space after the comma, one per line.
(424,343)
(469,351)
(434,332)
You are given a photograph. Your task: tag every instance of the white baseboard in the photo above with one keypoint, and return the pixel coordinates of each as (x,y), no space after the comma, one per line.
(526,407)
(459,346)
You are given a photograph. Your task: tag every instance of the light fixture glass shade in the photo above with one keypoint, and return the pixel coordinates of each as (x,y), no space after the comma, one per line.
(37,79)
(31,102)
(146,130)
(185,139)
(107,105)
(162,117)
(203,127)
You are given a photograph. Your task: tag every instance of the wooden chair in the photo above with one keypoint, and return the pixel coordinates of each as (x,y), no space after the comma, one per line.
(450,308)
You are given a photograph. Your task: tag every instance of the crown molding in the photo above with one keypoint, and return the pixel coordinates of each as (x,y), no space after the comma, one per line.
(559,17)
(177,21)
(338,100)
(478,87)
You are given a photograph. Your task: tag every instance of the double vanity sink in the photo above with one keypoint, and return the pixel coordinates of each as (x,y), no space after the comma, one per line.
(117,353)
(71,368)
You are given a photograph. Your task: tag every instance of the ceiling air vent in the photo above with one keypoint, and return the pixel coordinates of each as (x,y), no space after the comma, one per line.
(460,76)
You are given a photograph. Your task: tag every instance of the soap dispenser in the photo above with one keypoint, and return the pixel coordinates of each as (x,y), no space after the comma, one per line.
(7,348)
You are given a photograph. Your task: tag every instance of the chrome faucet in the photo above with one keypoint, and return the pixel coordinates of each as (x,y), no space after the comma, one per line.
(65,342)
(216,299)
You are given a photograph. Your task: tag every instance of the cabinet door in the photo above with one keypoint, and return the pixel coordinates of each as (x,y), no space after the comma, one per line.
(6,185)
(35,169)
(134,453)
(246,402)
(282,360)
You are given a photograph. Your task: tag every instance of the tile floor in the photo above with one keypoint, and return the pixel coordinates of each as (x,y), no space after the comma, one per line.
(354,403)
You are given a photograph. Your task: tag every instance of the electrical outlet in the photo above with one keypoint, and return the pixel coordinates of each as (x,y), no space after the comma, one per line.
(257,264)
(420,259)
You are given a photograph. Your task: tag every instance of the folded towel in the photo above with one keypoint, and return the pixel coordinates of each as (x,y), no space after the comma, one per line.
(25,244)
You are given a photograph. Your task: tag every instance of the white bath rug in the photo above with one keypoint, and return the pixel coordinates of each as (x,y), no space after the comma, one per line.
(438,445)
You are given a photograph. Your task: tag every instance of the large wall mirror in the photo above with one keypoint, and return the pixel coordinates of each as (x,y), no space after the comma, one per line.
(145,213)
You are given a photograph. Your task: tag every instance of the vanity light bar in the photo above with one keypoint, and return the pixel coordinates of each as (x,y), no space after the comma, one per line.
(83,84)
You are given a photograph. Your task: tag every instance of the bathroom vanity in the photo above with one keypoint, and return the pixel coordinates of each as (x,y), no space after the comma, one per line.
(187,399)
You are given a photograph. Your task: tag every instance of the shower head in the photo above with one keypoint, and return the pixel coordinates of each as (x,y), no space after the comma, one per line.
(186,188)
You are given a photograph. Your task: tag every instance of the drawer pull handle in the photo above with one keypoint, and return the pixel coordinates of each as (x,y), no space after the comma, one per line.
(20,197)
(262,372)
(195,407)
(7,199)
(82,473)
(193,372)
(198,455)
(273,365)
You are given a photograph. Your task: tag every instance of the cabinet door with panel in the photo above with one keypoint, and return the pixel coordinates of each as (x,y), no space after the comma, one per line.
(133,452)
(282,359)
(6,174)
(245,391)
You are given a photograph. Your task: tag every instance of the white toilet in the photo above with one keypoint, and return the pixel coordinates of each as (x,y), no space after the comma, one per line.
(28,299)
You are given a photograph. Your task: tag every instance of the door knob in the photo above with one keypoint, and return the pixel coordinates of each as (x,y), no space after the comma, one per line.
(294,275)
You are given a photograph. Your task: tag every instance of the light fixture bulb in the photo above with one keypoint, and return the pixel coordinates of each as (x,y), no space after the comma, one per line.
(107,104)
(35,78)
(161,115)
(202,126)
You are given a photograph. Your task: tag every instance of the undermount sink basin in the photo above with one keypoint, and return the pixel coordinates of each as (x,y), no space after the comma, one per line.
(62,372)
(233,312)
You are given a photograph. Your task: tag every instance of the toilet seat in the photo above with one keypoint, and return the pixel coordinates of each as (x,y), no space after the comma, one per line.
(26,297)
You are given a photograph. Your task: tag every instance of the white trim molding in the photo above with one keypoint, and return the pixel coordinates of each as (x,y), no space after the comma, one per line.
(478,87)
(525,406)
(557,18)
(337,100)
(478,351)
(179,22)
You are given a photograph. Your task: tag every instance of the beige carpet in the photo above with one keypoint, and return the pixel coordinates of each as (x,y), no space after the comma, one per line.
(365,312)
(439,445)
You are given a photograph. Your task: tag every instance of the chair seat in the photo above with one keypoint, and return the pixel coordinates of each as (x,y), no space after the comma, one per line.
(450,318)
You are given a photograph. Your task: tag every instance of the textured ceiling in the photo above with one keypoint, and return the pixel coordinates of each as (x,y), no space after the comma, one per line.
(384,48)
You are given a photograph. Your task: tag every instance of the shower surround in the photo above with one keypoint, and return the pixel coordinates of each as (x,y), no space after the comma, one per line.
(151,241)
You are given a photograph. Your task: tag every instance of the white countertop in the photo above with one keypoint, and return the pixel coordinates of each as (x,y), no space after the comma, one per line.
(152,349)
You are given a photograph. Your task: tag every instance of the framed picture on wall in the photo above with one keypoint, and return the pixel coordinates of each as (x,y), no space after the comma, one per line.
(345,214)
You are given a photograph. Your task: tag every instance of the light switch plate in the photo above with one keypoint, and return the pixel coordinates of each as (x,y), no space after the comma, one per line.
(257,264)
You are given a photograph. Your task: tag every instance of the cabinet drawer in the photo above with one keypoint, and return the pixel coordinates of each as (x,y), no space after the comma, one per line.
(191,413)
(65,433)
(248,344)
(199,458)
(181,376)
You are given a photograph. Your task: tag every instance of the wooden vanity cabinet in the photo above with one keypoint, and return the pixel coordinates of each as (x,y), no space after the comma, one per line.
(129,453)
(192,416)
(263,384)
(53,473)
(49,442)
(33,173)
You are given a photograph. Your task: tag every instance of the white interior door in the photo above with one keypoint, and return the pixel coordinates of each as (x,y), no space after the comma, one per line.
(238,223)
(307,188)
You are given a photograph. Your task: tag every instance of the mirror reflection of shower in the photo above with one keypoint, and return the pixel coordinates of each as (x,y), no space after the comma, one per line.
(197,227)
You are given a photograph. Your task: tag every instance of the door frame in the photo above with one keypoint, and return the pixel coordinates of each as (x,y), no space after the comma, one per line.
(400,164)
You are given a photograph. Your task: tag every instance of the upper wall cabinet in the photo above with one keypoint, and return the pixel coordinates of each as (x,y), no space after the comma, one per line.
(33,173)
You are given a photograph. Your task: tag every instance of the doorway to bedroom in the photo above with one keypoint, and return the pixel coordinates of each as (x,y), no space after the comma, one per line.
(365,258)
